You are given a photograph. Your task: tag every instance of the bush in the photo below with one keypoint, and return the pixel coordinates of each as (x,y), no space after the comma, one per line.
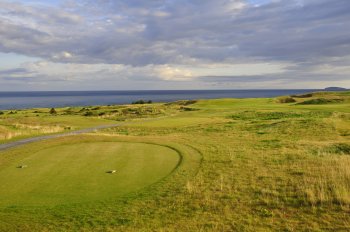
(142,102)
(89,113)
(187,109)
(1,112)
(286,100)
(53,111)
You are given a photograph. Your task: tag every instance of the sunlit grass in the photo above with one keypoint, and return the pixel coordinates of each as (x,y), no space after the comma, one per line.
(252,165)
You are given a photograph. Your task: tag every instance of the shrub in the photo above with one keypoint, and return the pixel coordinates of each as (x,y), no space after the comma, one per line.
(286,100)
(138,102)
(142,102)
(181,102)
(53,111)
(302,95)
(89,113)
(187,109)
(1,112)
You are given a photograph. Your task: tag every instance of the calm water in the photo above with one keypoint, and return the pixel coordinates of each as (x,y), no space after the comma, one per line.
(21,100)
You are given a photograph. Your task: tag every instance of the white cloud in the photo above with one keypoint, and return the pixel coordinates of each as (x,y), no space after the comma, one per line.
(166,72)
(62,55)
(282,42)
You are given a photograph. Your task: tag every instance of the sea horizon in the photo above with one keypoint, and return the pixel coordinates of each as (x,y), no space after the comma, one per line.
(15,100)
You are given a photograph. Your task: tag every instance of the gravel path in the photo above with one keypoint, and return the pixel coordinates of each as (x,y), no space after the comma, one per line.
(45,137)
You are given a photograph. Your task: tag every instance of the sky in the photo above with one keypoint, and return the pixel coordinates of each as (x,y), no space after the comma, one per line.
(174,44)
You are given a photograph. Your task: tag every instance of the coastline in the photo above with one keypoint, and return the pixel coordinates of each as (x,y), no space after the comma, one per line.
(48,99)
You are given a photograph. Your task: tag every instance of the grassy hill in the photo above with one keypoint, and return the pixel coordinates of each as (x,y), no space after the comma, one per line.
(207,165)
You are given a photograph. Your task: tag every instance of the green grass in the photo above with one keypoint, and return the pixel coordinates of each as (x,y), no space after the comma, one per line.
(247,165)
(320,101)
(77,173)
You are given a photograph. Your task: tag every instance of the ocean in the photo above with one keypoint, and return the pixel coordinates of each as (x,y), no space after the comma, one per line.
(43,99)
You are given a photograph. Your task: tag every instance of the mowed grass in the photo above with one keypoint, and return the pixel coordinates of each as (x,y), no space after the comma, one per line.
(77,173)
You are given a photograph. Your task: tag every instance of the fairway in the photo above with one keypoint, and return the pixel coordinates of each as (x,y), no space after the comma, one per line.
(78,173)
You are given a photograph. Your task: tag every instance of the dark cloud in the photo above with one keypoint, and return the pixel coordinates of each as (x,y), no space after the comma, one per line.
(155,32)
(287,78)
(138,33)
(13,71)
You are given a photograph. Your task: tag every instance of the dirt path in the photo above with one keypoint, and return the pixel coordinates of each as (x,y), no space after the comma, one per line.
(45,137)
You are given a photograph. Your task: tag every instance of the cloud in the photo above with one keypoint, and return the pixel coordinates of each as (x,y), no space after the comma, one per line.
(62,55)
(161,32)
(181,40)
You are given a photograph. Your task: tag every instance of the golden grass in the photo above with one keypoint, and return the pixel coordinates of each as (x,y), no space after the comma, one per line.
(327,180)
(18,129)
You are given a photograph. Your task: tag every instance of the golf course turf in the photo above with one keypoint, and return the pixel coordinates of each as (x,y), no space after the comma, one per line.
(267,164)
(71,174)
(77,173)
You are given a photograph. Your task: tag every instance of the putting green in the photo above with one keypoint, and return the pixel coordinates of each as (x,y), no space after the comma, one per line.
(77,173)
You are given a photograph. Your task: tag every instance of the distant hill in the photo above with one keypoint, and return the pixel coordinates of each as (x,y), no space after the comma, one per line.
(335,89)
